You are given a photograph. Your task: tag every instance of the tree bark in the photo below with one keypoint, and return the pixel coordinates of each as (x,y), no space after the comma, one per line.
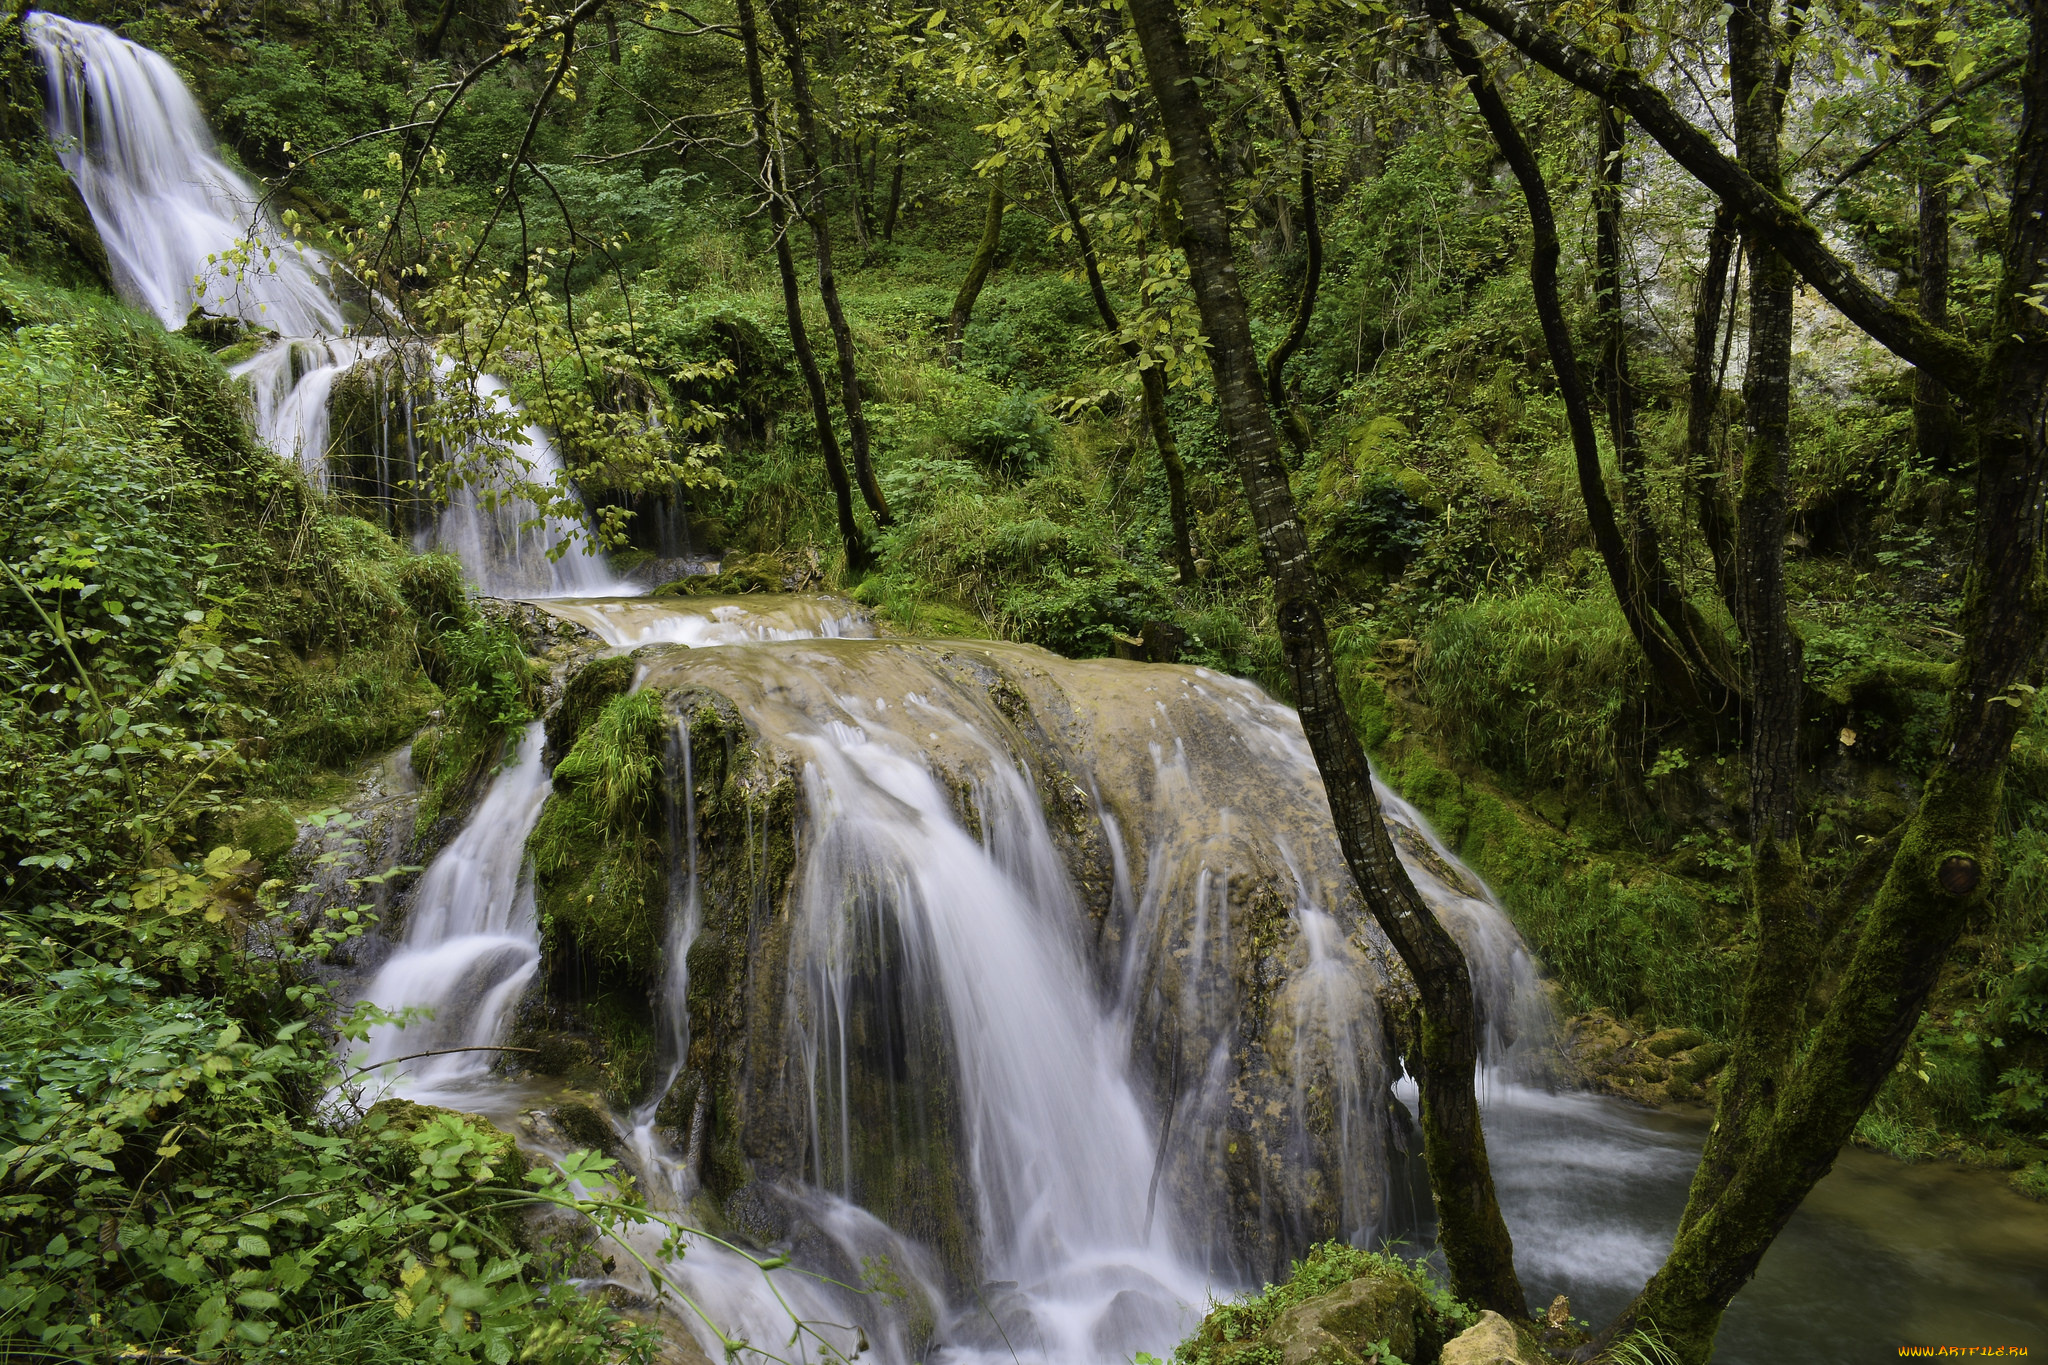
(858,556)
(817,214)
(1936,428)
(1474,1236)
(977,271)
(1291,421)
(1149,376)
(1700,648)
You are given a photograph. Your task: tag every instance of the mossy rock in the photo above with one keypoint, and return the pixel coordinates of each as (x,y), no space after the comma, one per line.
(736,574)
(1668,1041)
(587,694)
(392,1124)
(584,1126)
(267,830)
(1342,1306)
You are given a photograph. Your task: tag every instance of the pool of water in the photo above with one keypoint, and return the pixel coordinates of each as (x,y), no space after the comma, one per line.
(1882,1254)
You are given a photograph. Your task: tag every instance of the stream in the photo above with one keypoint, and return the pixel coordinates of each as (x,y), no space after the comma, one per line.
(1039,983)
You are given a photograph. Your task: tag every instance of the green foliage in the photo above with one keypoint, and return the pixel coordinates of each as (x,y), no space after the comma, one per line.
(1536,685)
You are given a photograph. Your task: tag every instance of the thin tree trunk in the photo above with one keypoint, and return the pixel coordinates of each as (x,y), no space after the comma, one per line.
(611,35)
(439,33)
(858,555)
(1149,377)
(895,194)
(816,212)
(1701,649)
(1936,427)
(977,271)
(1768,1025)
(1305,307)
(1703,469)
(1474,1236)
(1675,677)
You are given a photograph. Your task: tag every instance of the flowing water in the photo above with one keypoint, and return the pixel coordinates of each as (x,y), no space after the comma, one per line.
(1064,1014)
(183,230)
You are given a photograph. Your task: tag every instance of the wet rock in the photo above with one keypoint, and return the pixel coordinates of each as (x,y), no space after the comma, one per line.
(1490,1341)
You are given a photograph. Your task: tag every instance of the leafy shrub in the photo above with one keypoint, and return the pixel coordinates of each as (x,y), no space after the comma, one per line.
(1011,435)
(1382,525)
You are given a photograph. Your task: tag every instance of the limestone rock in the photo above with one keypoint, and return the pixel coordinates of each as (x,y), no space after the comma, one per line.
(1490,1341)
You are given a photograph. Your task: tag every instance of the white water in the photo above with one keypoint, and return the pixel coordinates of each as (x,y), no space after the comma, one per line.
(471,945)
(626,623)
(182,229)
(173,216)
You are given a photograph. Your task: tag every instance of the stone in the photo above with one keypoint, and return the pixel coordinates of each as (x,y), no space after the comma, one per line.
(1490,1341)
(1342,1326)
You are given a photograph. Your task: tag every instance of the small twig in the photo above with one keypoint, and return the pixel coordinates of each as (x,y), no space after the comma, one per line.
(1864,162)
(435,1052)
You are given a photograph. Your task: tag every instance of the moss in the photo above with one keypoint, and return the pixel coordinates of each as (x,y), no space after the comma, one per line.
(588,692)
(598,861)
(1231,1333)
(737,573)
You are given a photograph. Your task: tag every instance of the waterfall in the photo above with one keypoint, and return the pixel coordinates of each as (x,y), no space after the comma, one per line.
(471,945)
(1068,1009)
(183,230)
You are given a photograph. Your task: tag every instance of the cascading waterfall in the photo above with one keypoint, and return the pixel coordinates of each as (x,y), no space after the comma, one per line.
(1069,1015)
(471,945)
(182,231)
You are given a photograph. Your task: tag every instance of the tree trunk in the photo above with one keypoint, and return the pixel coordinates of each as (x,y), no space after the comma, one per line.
(1149,376)
(1305,307)
(1701,649)
(977,271)
(611,35)
(1675,677)
(782,13)
(1936,428)
(1702,466)
(1768,1026)
(858,556)
(1472,1233)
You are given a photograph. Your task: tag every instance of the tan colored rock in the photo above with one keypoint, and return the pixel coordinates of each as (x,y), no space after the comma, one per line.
(1490,1341)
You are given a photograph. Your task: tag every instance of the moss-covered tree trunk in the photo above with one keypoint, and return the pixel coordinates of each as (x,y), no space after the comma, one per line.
(1679,679)
(1149,377)
(1936,427)
(858,555)
(977,270)
(817,216)
(1783,915)
(1703,384)
(1474,1236)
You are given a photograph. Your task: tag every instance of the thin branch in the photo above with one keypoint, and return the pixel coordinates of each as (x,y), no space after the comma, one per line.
(1869,158)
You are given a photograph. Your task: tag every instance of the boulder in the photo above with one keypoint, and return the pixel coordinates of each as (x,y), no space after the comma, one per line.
(1344,1326)
(1490,1341)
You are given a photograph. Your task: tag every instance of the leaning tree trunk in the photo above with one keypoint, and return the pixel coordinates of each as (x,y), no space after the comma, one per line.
(1703,472)
(816,213)
(858,556)
(977,271)
(1701,648)
(1937,430)
(1474,1236)
(1149,377)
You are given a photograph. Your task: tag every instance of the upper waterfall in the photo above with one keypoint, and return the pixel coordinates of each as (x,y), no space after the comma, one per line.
(181,229)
